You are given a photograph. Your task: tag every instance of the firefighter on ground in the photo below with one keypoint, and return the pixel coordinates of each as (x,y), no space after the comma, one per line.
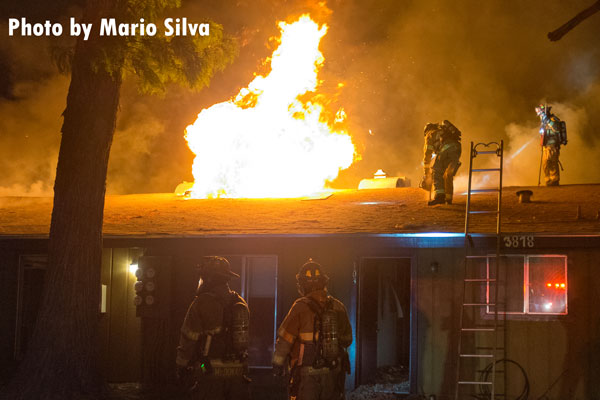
(553,133)
(213,345)
(443,140)
(312,340)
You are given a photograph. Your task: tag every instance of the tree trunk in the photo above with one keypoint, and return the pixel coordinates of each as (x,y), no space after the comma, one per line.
(62,360)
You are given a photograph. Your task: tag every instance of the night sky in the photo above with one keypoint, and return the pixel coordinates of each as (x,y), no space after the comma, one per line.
(484,65)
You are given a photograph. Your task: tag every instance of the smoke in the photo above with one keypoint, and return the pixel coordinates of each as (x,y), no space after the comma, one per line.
(30,138)
(579,157)
(482,65)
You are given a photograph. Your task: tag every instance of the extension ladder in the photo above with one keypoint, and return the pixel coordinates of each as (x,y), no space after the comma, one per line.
(480,294)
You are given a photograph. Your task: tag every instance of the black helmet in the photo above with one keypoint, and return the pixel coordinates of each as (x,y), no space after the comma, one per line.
(430,127)
(216,267)
(311,277)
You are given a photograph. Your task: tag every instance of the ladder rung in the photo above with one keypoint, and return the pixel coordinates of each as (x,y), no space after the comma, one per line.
(484,190)
(485,169)
(479,280)
(474,383)
(479,304)
(477,355)
(483,212)
(478,329)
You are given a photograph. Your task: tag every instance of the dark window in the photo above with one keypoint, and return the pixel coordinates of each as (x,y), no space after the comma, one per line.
(31,280)
(258,286)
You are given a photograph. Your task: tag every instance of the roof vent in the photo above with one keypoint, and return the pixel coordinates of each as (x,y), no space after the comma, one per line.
(379,174)
(524,196)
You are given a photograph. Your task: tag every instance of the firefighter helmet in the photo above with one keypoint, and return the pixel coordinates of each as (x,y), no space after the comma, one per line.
(216,267)
(311,277)
(430,127)
(542,110)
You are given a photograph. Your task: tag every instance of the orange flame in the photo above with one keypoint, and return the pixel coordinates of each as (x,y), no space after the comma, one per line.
(266,142)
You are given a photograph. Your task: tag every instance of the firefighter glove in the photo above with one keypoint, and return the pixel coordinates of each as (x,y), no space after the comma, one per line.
(425,183)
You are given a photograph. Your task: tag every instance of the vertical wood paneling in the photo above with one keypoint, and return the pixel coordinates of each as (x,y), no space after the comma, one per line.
(124,335)
(105,279)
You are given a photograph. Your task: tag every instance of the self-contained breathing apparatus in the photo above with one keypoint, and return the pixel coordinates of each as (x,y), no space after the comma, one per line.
(558,127)
(450,132)
(325,338)
(445,135)
(325,334)
(325,355)
(222,352)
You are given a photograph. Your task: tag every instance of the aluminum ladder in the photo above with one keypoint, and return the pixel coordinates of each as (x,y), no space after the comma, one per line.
(480,294)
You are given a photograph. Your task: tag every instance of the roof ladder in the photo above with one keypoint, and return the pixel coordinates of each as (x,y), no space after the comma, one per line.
(480,329)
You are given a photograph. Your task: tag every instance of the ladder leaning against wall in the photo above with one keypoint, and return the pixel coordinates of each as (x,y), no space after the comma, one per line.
(480,330)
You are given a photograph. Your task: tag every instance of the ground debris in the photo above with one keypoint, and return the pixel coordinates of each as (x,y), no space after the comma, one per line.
(390,382)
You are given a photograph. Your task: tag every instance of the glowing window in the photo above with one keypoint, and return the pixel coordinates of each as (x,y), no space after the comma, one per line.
(547,284)
(529,284)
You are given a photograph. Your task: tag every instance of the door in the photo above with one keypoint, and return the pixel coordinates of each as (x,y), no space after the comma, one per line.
(384,322)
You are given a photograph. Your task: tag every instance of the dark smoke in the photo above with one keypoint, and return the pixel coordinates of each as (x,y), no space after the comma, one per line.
(482,65)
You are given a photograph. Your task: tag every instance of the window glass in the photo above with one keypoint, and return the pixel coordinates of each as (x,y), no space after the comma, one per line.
(528,284)
(547,284)
(510,284)
(31,281)
(261,275)
(236,263)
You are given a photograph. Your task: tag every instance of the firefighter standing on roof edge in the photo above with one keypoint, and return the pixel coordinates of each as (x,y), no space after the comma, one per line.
(443,140)
(312,340)
(553,133)
(213,345)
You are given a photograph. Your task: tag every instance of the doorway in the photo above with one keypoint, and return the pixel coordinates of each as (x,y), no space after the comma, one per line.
(384,324)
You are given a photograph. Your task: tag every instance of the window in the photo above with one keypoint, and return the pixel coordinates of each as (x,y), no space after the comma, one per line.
(30,283)
(529,284)
(258,286)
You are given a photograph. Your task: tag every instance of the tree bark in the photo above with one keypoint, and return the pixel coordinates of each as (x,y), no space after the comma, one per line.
(62,360)
(573,22)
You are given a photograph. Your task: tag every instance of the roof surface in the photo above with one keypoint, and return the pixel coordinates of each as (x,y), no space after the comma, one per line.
(403,210)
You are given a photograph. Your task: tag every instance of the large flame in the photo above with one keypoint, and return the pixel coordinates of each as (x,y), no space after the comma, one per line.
(266,142)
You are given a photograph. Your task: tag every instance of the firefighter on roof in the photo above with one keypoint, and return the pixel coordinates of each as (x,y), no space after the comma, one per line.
(443,140)
(553,133)
(312,340)
(213,345)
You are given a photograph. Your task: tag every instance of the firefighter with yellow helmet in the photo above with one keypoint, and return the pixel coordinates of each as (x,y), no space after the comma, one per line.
(553,134)
(312,340)
(213,345)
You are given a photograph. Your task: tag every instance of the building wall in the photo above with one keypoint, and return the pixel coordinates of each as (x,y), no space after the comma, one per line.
(8,288)
(120,329)
(559,354)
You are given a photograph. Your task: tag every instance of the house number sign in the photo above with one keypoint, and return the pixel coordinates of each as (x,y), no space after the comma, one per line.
(519,241)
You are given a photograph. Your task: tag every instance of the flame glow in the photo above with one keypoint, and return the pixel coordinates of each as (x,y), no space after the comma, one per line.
(266,142)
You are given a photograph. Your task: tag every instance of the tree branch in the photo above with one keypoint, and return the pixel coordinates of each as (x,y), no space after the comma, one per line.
(573,22)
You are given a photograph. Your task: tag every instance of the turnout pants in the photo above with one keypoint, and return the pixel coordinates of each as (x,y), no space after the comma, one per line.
(550,164)
(443,170)
(221,388)
(321,384)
